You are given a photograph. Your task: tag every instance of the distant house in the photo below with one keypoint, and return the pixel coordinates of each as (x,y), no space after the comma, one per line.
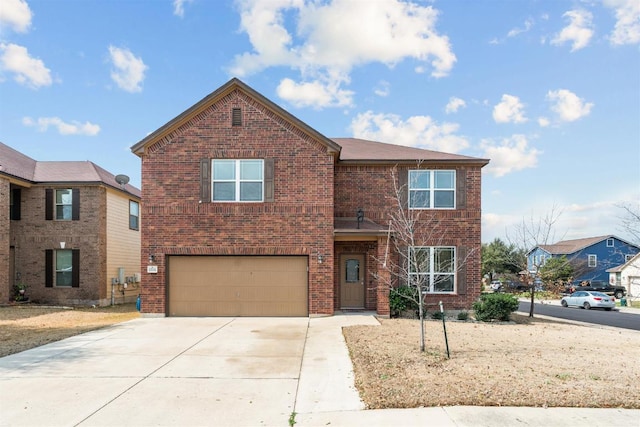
(627,275)
(68,231)
(590,257)
(251,212)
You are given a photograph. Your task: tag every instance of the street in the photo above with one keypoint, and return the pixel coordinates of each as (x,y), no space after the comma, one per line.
(596,316)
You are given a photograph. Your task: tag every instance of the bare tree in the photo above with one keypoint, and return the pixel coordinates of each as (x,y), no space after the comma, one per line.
(631,221)
(528,235)
(417,239)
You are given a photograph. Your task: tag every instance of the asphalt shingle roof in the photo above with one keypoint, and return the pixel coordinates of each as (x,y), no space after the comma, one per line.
(20,166)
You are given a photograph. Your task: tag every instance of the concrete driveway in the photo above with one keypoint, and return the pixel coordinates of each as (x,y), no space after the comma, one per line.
(184,371)
(226,372)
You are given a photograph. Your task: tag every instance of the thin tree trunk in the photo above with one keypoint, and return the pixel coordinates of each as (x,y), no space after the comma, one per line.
(533,289)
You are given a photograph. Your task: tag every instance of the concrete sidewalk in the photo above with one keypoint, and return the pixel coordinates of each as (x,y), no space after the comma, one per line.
(225,372)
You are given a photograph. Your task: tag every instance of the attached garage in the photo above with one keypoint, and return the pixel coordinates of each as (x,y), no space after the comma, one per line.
(238,286)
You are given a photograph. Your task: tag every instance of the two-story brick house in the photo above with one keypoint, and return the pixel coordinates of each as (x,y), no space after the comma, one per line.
(67,230)
(249,211)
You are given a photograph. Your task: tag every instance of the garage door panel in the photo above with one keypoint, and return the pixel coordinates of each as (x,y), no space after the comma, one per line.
(238,286)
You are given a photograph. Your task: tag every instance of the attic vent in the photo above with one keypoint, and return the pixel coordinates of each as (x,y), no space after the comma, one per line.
(236,117)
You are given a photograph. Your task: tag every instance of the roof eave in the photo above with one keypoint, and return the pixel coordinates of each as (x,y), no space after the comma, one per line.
(470,162)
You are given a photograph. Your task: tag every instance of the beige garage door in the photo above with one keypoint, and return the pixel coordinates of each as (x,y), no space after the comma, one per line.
(238,286)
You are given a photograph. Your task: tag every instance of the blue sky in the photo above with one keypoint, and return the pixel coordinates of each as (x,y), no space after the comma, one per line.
(548,90)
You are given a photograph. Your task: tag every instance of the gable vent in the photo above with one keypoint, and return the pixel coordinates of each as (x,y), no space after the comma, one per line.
(236,117)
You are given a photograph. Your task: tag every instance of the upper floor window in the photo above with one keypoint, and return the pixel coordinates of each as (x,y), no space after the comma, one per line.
(432,268)
(134,215)
(609,243)
(432,189)
(64,202)
(592,261)
(238,180)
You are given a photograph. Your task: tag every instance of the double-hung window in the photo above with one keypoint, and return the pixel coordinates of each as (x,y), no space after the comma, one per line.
(238,180)
(64,268)
(64,203)
(432,268)
(432,189)
(592,260)
(134,215)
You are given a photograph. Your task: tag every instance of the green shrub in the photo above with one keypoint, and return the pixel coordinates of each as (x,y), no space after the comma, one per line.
(495,307)
(463,315)
(437,315)
(403,298)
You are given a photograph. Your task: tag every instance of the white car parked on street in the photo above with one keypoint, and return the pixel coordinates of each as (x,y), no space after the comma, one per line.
(589,299)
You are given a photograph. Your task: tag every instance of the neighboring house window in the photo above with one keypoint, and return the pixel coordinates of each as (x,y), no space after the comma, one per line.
(238,180)
(609,243)
(62,268)
(134,215)
(433,268)
(592,260)
(627,258)
(432,189)
(62,204)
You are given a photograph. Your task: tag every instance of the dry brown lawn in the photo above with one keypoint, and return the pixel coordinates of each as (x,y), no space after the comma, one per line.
(521,363)
(27,326)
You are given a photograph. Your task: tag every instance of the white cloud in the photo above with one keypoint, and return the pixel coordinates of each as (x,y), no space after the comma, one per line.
(27,70)
(178,7)
(416,131)
(128,71)
(515,31)
(627,28)
(314,94)
(64,128)
(567,105)
(509,110)
(331,38)
(16,15)
(543,122)
(382,89)
(509,155)
(579,30)
(454,105)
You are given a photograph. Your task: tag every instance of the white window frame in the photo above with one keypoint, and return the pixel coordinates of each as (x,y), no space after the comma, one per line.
(56,204)
(237,180)
(592,260)
(432,275)
(610,243)
(58,270)
(136,215)
(432,189)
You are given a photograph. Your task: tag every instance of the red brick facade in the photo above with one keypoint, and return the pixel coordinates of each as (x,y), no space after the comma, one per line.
(311,188)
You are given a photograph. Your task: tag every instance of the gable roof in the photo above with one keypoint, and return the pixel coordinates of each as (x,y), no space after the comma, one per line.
(567,247)
(232,85)
(354,149)
(345,149)
(23,167)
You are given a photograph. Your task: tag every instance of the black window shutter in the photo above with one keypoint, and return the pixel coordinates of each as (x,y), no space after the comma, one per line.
(48,204)
(15,209)
(75,204)
(461,254)
(269,173)
(75,268)
(403,187)
(48,268)
(205,180)
(461,189)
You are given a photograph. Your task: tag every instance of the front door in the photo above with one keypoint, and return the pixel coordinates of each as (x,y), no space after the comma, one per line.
(352,281)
